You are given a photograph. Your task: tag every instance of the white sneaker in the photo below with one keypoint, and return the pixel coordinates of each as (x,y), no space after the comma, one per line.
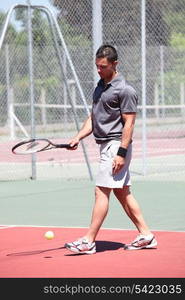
(142,242)
(82,246)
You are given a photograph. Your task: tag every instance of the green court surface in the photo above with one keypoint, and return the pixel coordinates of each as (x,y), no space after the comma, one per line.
(69,204)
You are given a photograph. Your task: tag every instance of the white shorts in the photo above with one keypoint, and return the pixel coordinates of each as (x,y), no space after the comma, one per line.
(105,178)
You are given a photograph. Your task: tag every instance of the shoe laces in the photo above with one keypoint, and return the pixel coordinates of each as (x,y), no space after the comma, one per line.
(142,236)
(81,241)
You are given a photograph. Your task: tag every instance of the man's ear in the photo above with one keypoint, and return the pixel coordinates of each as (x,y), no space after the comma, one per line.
(115,63)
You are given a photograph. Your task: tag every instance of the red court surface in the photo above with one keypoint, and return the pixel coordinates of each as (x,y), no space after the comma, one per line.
(25,253)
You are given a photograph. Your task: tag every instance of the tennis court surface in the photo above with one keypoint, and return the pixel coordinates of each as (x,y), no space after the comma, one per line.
(25,253)
(30,208)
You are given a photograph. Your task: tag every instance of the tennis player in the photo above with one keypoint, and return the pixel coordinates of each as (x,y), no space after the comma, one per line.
(112,123)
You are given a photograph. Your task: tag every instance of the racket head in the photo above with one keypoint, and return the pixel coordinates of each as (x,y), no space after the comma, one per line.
(31,146)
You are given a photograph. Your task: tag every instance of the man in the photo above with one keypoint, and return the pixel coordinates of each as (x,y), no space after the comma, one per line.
(112,123)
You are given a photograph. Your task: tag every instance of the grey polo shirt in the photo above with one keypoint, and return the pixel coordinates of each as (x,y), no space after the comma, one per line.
(109,102)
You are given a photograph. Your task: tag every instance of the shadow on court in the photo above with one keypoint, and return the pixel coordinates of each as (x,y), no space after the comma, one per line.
(33,252)
(101,246)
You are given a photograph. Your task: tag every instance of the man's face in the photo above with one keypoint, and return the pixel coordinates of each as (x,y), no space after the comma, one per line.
(105,68)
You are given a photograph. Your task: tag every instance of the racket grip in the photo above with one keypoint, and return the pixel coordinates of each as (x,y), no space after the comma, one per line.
(67,146)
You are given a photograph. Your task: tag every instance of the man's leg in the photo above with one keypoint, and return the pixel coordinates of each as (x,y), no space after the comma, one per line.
(132,209)
(145,239)
(86,244)
(99,213)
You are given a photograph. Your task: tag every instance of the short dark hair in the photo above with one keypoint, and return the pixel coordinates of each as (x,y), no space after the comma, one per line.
(107,51)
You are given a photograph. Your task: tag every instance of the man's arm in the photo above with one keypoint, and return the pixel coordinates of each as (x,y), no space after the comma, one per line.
(128,129)
(84,131)
(127,133)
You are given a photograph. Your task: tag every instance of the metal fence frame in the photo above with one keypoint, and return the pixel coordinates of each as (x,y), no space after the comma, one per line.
(158,109)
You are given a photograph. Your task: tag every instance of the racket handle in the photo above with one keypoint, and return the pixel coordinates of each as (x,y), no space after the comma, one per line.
(67,146)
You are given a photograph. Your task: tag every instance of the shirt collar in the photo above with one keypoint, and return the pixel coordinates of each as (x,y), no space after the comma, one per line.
(117,79)
(113,82)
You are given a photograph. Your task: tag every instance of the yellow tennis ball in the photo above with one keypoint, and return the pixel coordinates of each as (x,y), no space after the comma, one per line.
(49,235)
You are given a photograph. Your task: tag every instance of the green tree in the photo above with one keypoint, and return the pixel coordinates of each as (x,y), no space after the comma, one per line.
(11,32)
(77,14)
(40,27)
(121,20)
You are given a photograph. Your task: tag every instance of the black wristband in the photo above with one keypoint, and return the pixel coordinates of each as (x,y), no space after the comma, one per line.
(122,152)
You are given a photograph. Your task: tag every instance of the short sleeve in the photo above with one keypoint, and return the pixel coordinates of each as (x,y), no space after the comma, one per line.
(128,100)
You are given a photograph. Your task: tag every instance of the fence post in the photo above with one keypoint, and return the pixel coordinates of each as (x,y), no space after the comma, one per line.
(11,120)
(43,107)
(162,79)
(182,99)
(31,79)
(10,109)
(156,100)
(143,58)
(97,32)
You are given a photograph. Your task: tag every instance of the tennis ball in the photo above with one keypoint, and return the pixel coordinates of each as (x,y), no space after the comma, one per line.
(49,235)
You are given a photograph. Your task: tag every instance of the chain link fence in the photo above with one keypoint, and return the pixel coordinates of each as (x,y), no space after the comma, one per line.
(55,71)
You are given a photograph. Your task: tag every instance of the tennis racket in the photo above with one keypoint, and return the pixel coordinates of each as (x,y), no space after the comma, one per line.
(36,145)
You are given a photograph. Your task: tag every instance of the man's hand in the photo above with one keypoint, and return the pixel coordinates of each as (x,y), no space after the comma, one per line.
(74,143)
(117,164)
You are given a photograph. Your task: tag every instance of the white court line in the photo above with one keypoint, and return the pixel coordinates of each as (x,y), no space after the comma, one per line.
(76,227)
(6,226)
